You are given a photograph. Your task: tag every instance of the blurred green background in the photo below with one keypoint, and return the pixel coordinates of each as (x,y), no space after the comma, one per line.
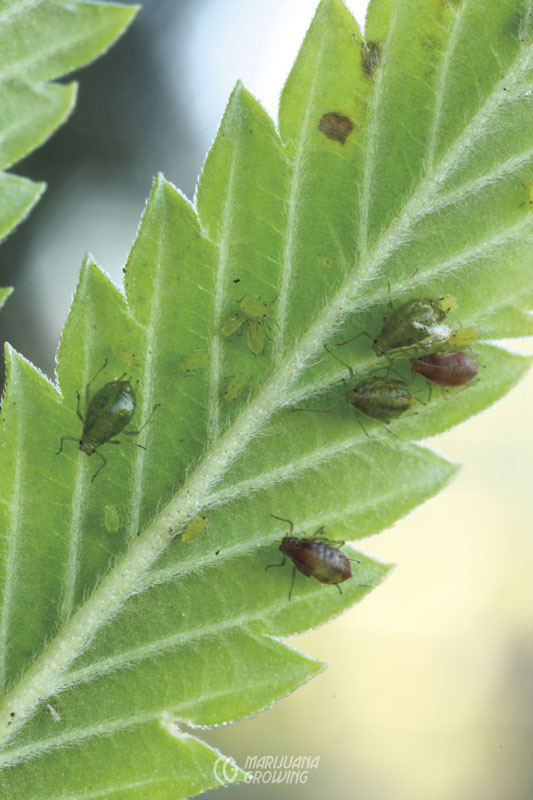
(429,695)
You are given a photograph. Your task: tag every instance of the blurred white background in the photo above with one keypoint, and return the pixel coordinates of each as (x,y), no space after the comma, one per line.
(429,695)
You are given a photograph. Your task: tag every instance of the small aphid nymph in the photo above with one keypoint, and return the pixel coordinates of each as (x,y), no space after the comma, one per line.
(462,338)
(235,387)
(194,528)
(195,361)
(111,518)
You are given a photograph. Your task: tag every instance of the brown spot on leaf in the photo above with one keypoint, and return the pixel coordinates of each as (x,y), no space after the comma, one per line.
(335,126)
(370,55)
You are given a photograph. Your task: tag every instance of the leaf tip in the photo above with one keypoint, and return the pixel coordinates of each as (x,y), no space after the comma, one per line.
(5,294)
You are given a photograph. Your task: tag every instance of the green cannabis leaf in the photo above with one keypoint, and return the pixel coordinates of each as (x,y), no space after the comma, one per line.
(40,40)
(404,159)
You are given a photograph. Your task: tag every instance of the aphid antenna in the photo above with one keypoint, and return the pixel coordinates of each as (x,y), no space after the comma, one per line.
(88,386)
(318,410)
(78,409)
(401,287)
(353,338)
(348,367)
(283,519)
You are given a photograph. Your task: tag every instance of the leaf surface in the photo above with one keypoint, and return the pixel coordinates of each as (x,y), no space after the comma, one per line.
(126,630)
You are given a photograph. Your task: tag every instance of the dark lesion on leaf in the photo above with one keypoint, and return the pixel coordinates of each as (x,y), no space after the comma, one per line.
(336,126)
(370,55)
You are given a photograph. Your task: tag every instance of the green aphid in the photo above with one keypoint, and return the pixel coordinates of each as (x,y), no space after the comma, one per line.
(255,338)
(194,529)
(235,388)
(232,325)
(462,338)
(196,360)
(111,518)
(254,309)
(108,412)
(420,320)
(378,398)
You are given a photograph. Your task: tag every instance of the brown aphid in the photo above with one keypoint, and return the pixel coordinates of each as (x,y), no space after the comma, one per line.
(446,369)
(315,557)
(335,126)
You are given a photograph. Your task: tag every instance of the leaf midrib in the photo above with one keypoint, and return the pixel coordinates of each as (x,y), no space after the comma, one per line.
(42,677)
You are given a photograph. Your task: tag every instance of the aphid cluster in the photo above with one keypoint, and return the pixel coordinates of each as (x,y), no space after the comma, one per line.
(252,316)
(419,329)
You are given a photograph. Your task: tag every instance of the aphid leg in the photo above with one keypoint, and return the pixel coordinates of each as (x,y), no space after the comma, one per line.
(392,368)
(353,338)
(69,439)
(462,388)
(143,426)
(277,565)
(282,519)
(104,462)
(78,410)
(354,560)
(361,424)
(418,400)
(339,588)
(292,583)
(88,386)
(126,444)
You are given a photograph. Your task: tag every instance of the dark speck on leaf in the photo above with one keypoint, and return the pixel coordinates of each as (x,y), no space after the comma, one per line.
(370,57)
(335,126)
(236,280)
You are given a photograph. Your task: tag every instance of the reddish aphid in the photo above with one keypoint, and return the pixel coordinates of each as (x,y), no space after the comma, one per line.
(446,369)
(315,557)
